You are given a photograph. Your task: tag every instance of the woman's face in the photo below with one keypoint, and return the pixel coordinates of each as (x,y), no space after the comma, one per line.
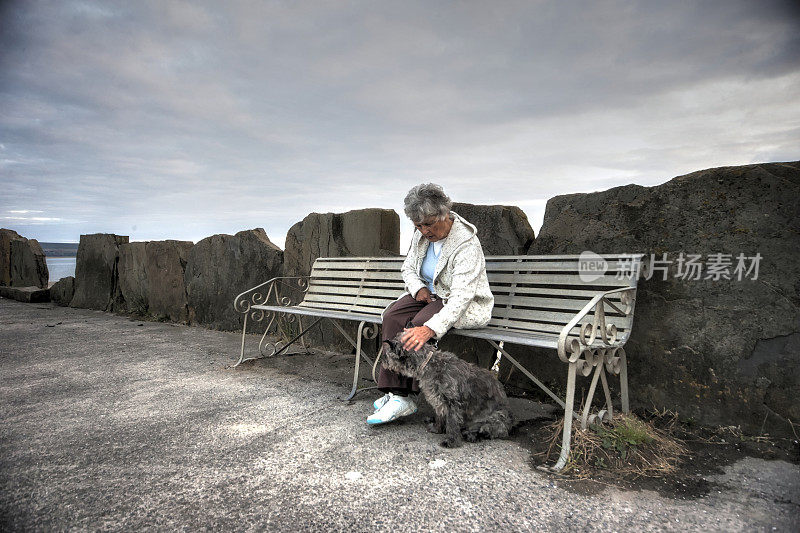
(433,229)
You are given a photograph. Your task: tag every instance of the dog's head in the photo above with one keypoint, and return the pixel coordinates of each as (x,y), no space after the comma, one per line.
(402,361)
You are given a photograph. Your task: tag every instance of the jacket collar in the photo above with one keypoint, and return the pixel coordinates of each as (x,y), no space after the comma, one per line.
(461,232)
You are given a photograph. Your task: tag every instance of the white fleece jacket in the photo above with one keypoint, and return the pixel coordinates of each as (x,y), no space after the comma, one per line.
(460,278)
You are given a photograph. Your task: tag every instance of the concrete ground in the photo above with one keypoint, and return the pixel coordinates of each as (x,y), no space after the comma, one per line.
(112,423)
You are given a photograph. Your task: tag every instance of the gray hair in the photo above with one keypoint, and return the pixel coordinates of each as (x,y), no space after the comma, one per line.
(425,201)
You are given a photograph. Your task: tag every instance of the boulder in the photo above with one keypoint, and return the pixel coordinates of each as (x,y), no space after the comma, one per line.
(502,229)
(222,266)
(166,289)
(725,348)
(22,261)
(359,233)
(6,236)
(96,268)
(25,294)
(364,232)
(62,291)
(133,278)
(28,265)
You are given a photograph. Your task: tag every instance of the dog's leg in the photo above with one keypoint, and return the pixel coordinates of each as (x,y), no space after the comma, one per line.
(436,424)
(453,422)
(470,434)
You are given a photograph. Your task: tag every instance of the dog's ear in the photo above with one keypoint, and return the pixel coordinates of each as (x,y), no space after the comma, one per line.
(391,345)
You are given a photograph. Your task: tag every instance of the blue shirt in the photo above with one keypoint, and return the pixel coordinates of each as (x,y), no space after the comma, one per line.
(428,268)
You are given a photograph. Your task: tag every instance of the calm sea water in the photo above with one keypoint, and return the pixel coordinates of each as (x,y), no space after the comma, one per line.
(60,267)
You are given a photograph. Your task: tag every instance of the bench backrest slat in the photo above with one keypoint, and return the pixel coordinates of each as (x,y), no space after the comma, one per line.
(533,294)
(494,265)
(356,274)
(333,282)
(372,264)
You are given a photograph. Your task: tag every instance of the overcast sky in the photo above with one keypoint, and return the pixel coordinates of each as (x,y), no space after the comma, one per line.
(183,119)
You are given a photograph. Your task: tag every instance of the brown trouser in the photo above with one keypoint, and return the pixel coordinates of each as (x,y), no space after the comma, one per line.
(403,313)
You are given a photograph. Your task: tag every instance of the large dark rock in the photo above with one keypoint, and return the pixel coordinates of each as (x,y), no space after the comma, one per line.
(359,233)
(25,294)
(96,280)
(222,266)
(28,265)
(724,351)
(63,291)
(6,236)
(133,278)
(166,289)
(364,232)
(22,261)
(502,229)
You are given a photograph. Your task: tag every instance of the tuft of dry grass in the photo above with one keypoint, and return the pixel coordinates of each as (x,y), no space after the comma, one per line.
(626,445)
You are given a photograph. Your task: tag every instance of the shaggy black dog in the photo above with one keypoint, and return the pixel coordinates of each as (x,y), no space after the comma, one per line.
(468,401)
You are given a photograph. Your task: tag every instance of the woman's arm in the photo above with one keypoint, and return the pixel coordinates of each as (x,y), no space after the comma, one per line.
(411,277)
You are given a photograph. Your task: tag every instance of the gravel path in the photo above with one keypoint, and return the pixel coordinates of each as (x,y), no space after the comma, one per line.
(112,423)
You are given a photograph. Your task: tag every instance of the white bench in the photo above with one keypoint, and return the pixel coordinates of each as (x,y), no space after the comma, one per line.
(554,302)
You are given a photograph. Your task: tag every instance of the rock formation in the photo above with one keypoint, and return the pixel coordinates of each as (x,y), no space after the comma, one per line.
(22,261)
(166,290)
(6,236)
(363,232)
(63,290)
(222,266)
(28,265)
(133,278)
(96,280)
(25,294)
(723,350)
(502,229)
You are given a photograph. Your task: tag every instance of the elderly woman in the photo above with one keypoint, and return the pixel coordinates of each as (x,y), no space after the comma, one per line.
(446,286)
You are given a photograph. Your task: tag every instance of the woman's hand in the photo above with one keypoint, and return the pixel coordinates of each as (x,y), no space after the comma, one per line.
(415,338)
(424,295)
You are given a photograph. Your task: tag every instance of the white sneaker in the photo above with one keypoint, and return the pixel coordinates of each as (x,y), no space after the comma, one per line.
(380,402)
(393,409)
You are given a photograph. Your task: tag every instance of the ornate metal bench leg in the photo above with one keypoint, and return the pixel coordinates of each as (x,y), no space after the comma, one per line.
(358,360)
(302,337)
(368,332)
(590,396)
(375,364)
(623,381)
(607,392)
(244,331)
(570,404)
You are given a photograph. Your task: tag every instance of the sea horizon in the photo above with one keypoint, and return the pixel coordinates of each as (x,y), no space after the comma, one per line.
(60,267)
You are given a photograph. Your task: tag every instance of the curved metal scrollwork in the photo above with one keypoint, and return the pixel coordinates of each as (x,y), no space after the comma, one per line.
(599,360)
(302,284)
(258,315)
(270,293)
(267,292)
(251,304)
(270,348)
(570,348)
(370,331)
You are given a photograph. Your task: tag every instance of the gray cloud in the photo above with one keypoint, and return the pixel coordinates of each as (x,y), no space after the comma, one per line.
(185,119)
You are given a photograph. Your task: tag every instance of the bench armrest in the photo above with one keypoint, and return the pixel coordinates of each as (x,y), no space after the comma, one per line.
(569,350)
(270,290)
